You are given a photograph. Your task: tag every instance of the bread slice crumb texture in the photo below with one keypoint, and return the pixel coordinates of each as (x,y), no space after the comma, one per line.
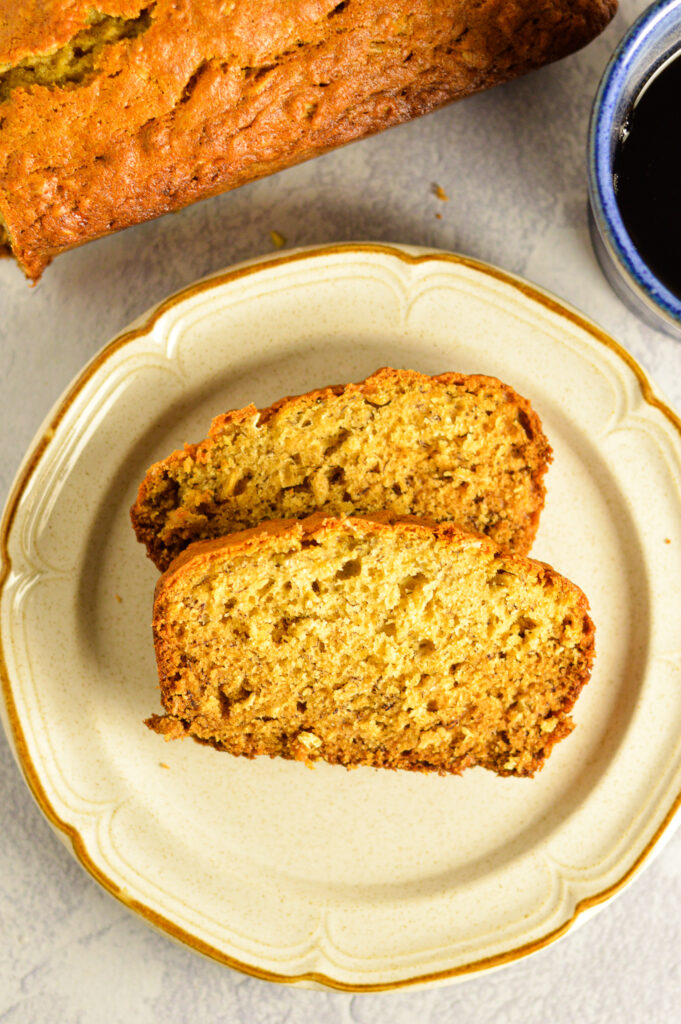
(370,641)
(466,449)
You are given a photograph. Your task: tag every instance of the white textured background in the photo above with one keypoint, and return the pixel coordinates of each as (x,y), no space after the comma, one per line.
(512,162)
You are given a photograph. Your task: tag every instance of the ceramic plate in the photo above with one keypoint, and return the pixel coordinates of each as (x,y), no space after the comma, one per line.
(366,879)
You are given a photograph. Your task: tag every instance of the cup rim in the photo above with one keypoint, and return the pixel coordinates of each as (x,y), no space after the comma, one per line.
(600,160)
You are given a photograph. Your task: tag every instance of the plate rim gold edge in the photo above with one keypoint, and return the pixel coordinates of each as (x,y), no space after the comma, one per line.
(409,255)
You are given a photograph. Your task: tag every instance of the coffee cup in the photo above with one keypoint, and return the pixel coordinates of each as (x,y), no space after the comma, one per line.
(639,62)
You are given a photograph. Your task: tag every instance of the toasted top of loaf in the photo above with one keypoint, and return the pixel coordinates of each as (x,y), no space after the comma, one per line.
(380,640)
(117,112)
(451,447)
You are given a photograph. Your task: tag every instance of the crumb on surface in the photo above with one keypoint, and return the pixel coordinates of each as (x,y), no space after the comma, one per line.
(162,764)
(118,598)
(278,240)
(440,193)
(667,540)
(438,216)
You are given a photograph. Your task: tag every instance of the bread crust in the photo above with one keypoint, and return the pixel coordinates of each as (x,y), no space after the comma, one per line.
(515,518)
(176,100)
(197,561)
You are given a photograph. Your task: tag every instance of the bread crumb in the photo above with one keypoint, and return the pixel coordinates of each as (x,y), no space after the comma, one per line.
(118,598)
(278,239)
(438,216)
(162,764)
(440,193)
(667,540)
(308,739)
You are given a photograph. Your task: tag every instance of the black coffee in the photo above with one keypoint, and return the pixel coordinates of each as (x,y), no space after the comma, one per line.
(647,172)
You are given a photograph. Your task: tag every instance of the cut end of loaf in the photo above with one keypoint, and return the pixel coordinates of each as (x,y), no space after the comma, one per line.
(5,247)
(380,641)
(463,448)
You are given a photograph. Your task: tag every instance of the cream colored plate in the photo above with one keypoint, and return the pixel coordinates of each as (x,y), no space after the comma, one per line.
(363,879)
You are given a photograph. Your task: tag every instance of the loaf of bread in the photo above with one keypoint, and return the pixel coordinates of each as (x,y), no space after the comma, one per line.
(452,447)
(386,641)
(115,113)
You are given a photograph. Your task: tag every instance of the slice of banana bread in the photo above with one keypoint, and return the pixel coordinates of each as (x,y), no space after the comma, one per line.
(383,640)
(467,449)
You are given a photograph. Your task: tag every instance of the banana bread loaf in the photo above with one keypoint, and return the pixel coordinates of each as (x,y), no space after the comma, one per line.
(115,113)
(384,641)
(452,447)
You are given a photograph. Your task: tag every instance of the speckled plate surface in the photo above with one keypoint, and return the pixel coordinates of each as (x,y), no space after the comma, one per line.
(364,879)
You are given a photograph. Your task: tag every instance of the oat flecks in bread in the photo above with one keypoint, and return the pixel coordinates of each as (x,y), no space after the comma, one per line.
(110,116)
(451,447)
(383,641)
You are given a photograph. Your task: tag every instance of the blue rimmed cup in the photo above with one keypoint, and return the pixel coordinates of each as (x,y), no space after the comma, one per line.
(650,42)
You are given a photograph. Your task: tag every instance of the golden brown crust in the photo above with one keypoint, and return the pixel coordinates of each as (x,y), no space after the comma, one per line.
(188,98)
(466,448)
(515,750)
